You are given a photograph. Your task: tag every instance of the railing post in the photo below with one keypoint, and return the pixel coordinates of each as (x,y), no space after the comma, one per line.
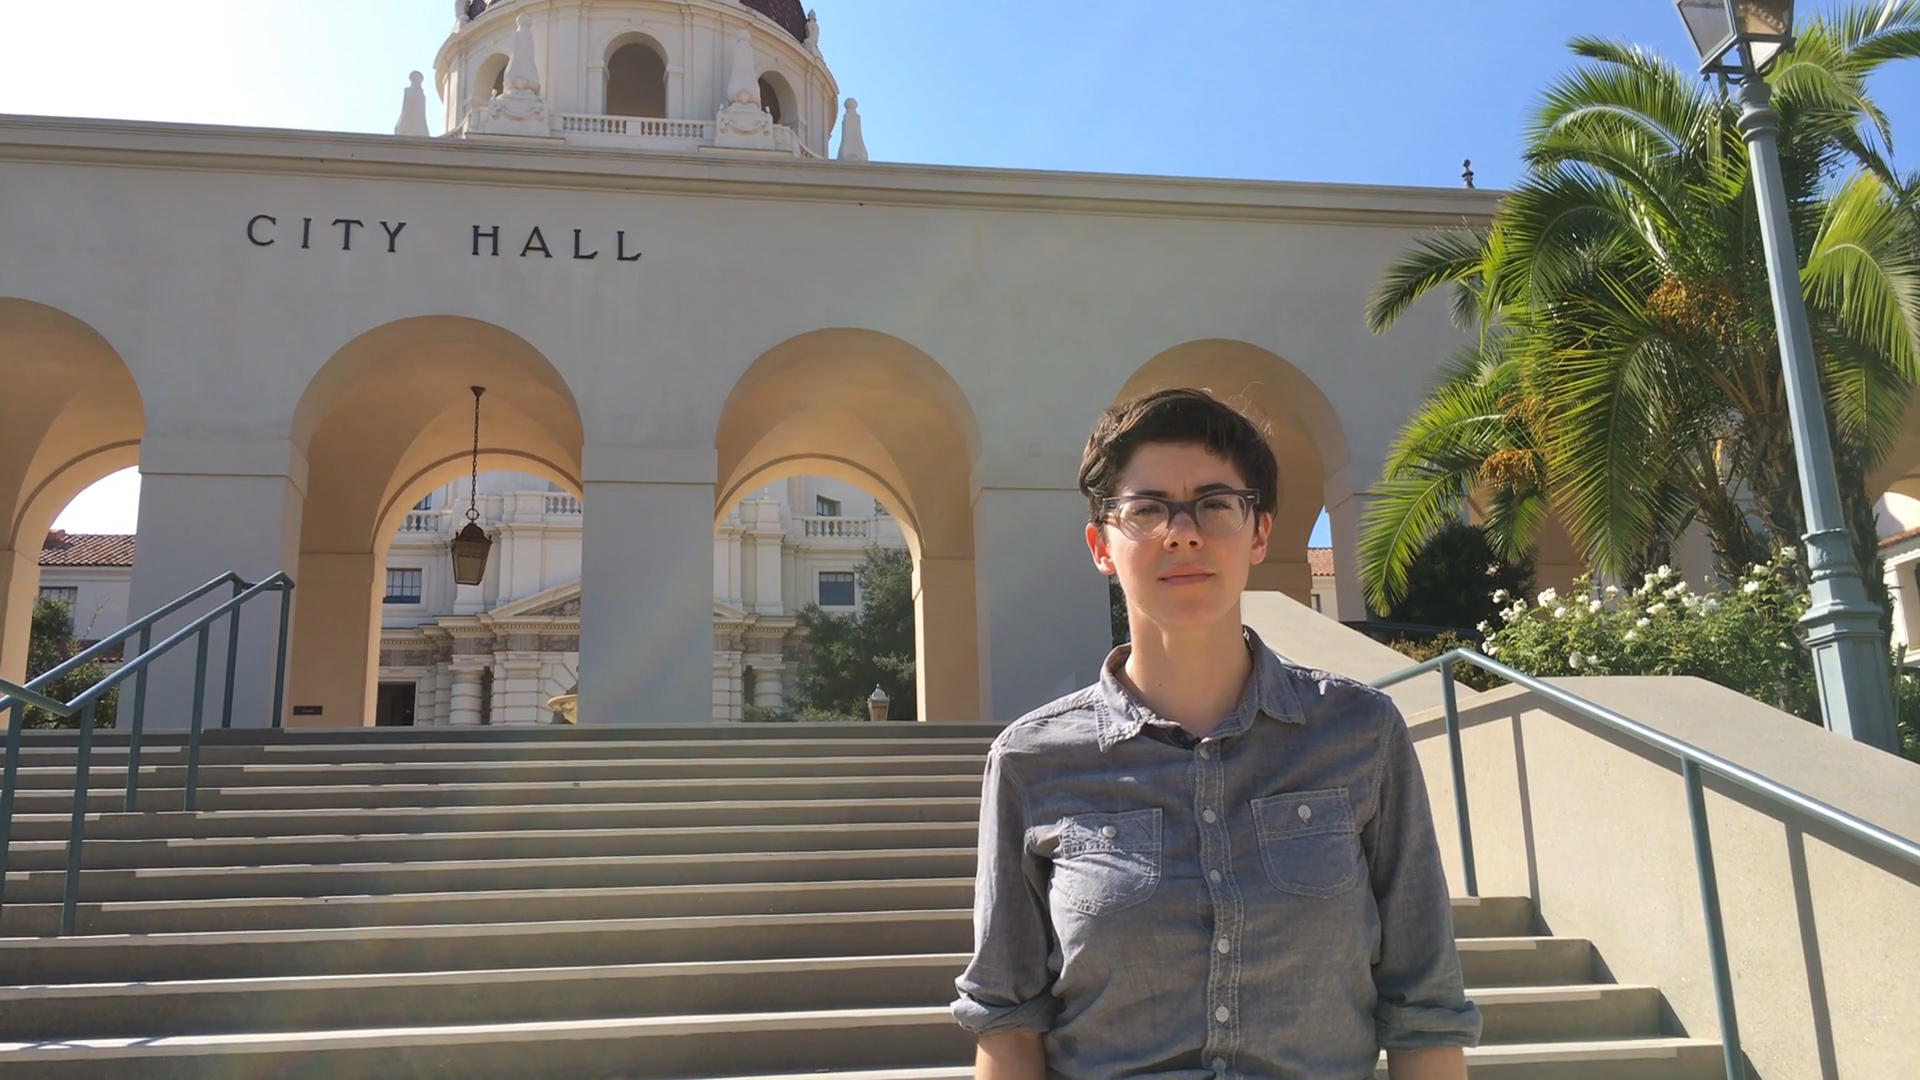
(233,659)
(17,720)
(1450,699)
(280,660)
(1716,927)
(83,773)
(199,707)
(139,722)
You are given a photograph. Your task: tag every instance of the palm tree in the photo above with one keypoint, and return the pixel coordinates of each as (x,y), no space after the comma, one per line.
(1626,373)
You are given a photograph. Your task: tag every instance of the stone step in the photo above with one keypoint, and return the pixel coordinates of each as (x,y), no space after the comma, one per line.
(111,797)
(186,883)
(484,946)
(704,731)
(922,1040)
(534,771)
(500,905)
(423,999)
(245,852)
(408,819)
(1492,917)
(1486,962)
(373,752)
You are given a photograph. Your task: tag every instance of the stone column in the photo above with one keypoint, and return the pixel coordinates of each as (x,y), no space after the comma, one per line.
(337,642)
(768,534)
(769,680)
(209,503)
(947,636)
(1344,522)
(518,689)
(1042,607)
(19,586)
(426,698)
(464,696)
(646,611)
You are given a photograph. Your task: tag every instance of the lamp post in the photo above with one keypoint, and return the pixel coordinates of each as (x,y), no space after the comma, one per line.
(1738,40)
(877,705)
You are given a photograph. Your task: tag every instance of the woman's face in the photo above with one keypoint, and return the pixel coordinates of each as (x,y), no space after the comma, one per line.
(1182,579)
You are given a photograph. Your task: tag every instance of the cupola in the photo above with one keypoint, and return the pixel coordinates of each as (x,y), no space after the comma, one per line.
(735,76)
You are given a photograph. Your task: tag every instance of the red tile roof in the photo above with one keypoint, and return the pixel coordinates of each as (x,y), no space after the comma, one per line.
(1321,561)
(86,549)
(1900,539)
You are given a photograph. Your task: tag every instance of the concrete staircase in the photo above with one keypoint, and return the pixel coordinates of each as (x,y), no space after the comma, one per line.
(709,902)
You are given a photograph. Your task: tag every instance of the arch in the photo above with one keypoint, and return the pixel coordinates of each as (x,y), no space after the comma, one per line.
(636,77)
(778,98)
(1301,426)
(490,78)
(1899,469)
(874,410)
(388,418)
(71,414)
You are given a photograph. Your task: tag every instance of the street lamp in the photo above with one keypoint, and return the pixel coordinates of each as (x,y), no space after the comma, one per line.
(471,546)
(877,705)
(1738,40)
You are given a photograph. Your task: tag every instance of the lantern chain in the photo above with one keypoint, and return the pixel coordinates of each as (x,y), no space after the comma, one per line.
(473,495)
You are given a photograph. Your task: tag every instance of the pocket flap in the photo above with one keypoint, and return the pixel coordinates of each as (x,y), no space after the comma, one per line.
(1134,832)
(1303,813)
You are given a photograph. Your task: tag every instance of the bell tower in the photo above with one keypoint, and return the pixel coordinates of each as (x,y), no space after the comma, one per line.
(733,76)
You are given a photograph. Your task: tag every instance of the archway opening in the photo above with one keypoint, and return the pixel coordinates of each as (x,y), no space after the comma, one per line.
(384,425)
(873,413)
(813,603)
(637,81)
(70,416)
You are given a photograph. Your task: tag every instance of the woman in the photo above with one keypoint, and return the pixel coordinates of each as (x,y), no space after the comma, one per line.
(1210,863)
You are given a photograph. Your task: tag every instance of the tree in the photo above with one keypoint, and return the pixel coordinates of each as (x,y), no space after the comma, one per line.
(1626,373)
(1453,580)
(51,644)
(852,654)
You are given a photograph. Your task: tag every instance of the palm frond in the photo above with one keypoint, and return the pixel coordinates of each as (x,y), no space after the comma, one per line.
(1450,257)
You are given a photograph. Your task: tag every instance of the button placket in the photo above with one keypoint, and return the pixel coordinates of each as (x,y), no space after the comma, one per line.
(1216,855)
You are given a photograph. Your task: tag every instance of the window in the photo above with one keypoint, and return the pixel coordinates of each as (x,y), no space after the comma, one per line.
(836,589)
(1316,604)
(403,586)
(770,100)
(825,507)
(424,504)
(636,82)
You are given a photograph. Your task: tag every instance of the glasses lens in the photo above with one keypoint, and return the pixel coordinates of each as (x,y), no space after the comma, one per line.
(1221,515)
(1139,518)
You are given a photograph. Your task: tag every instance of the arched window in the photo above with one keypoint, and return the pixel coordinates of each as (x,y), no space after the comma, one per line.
(636,82)
(770,99)
(490,79)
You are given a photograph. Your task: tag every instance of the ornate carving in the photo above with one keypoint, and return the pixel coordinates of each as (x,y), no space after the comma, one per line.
(519,109)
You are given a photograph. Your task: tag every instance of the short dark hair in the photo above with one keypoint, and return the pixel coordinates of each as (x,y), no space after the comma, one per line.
(1185,416)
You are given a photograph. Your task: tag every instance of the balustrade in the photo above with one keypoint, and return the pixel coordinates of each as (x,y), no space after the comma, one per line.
(829,528)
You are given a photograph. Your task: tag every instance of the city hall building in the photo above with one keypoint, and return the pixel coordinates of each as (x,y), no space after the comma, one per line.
(653,236)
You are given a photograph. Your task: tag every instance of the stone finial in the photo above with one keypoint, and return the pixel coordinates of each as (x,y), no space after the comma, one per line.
(519,109)
(813,31)
(743,75)
(523,71)
(853,142)
(1467,172)
(413,109)
(460,12)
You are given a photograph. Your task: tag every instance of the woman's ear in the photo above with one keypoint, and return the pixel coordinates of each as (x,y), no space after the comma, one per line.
(1102,554)
(1262,533)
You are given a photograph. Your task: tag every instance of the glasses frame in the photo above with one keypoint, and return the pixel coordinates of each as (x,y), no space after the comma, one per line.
(1175,507)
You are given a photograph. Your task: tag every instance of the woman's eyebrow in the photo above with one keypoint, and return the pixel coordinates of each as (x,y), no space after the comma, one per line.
(1203,489)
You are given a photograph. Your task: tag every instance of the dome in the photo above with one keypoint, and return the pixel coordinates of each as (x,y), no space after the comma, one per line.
(788,13)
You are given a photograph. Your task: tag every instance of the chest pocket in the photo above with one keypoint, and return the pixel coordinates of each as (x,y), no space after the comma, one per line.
(1106,862)
(1307,842)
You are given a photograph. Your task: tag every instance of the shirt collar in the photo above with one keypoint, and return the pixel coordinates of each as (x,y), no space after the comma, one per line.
(1269,692)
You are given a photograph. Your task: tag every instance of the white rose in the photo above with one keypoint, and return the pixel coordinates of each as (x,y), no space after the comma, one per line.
(1574,660)
(1657,609)
(1750,588)
(1593,607)
(1643,622)
(1548,597)
(1632,635)
(1560,612)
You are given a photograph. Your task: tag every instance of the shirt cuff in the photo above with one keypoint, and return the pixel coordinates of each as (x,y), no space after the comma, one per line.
(1423,1027)
(1033,1017)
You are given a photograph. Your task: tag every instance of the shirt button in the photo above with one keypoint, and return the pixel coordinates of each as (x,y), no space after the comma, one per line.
(1213,876)
(1209,816)
(1205,751)
(1306,812)
(1110,832)
(1221,1014)
(1222,946)
(1219,1064)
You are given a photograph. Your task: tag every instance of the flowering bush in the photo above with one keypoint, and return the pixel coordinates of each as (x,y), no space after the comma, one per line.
(1741,636)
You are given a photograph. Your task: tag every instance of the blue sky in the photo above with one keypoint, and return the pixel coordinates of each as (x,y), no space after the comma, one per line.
(1389,92)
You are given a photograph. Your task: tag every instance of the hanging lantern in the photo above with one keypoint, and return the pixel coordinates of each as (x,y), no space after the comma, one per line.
(1738,38)
(471,546)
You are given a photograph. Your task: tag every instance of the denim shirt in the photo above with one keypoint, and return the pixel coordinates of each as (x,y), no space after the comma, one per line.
(1265,903)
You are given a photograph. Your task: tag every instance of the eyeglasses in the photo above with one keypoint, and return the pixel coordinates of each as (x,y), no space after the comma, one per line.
(1218,514)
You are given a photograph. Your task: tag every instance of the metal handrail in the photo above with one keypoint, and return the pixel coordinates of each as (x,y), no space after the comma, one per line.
(17,698)
(1692,761)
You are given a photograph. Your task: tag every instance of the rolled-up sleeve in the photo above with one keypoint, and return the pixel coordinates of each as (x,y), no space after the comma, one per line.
(1007,986)
(1422,999)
